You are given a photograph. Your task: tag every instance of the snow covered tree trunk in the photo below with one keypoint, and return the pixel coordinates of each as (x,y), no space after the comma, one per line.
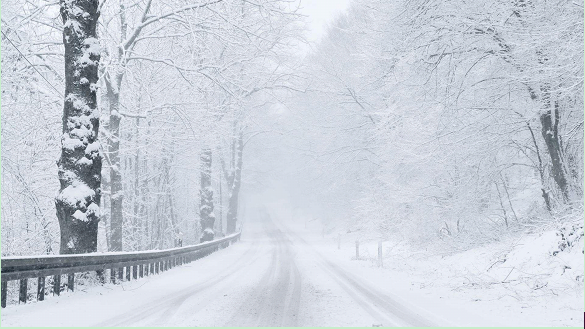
(137,188)
(220,224)
(113,86)
(80,164)
(551,138)
(550,134)
(236,182)
(117,192)
(207,216)
(167,185)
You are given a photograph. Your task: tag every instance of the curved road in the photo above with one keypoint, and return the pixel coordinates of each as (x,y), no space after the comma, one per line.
(271,278)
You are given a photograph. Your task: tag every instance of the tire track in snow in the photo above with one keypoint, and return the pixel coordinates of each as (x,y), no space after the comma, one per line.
(170,305)
(278,303)
(381,306)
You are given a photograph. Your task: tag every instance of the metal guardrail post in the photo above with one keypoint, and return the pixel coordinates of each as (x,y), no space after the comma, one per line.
(23,288)
(71,281)
(4,293)
(57,285)
(41,288)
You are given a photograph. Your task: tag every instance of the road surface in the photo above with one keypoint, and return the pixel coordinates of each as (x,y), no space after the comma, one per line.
(272,277)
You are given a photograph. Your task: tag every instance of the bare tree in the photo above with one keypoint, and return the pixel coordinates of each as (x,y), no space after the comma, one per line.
(124,52)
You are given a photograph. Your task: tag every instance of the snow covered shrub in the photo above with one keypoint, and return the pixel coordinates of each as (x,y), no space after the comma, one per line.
(571,236)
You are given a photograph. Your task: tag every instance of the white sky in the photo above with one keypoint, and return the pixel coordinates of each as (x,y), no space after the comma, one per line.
(320,13)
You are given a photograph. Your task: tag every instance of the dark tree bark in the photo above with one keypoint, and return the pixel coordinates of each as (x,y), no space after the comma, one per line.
(80,163)
(549,127)
(207,217)
(550,134)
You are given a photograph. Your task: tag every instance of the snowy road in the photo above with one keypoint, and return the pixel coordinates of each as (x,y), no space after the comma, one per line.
(271,278)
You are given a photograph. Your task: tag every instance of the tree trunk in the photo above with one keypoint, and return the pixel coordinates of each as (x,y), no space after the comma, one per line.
(136,202)
(117,192)
(550,133)
(545,194)
(236,182)
(80,164)
(220,228)
(146,210)
(167,187)
(207,216)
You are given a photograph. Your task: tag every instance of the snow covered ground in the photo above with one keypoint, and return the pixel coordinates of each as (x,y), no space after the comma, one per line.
(283,274)
(528,281)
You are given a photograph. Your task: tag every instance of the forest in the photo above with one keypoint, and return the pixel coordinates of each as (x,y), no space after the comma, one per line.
(139,125)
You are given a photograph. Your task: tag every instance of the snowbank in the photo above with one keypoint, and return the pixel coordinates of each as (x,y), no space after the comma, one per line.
(527,279)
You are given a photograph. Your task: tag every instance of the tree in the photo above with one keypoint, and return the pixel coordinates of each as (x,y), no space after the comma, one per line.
(428,116)
(166,68)
(80,163)
(206,214)
(32,77)
(233,177)
(129,33)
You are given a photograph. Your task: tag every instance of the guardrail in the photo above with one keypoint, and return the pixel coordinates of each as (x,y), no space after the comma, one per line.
(136,264)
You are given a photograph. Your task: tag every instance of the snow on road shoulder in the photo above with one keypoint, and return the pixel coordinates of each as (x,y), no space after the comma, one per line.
(534,280)
(97,303)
